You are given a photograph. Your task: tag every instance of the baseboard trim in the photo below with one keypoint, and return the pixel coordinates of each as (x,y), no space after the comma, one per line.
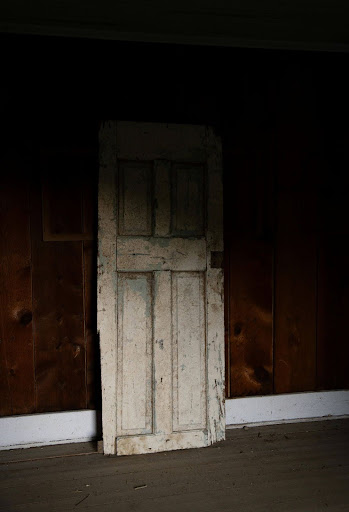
(46,429)
(80,426)
(287,407)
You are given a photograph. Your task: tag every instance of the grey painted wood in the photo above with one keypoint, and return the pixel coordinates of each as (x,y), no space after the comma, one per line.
(106,279)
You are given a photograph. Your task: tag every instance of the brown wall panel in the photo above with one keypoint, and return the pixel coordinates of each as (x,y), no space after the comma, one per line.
(58,316)
(295,250)
(16,338)
(333,268)
(295,271)
(250,318)
(248,267)
(93,376)
(333,309)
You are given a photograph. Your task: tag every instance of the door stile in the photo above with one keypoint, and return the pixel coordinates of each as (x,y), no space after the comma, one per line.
(215,291)
(107,281)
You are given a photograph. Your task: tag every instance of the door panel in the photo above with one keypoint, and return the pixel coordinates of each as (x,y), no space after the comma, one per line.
(134,370)
(188,200)
(160,305)
(135,198)
(189,365)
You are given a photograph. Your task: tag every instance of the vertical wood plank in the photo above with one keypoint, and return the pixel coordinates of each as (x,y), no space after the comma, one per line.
(295,260)
(333,307)
(58,319)
(333,269)
(62,193)
(295,316)
(107,281)
(17,393)
(227,323)
(89,186)
(249,264)
(215,292)
(250,318)
(93,371)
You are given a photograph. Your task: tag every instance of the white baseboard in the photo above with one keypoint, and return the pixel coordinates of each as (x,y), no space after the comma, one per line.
(32,430)
(80,426)
(287,407)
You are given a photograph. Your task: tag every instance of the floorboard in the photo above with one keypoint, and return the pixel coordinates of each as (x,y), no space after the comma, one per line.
(294,467)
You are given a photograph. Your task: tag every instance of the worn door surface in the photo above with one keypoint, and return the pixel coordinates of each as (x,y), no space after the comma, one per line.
(160,290)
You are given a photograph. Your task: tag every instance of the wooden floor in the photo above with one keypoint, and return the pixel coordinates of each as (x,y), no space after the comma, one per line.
(286,468)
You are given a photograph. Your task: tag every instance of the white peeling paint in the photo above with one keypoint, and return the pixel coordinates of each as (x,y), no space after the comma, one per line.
(162,356)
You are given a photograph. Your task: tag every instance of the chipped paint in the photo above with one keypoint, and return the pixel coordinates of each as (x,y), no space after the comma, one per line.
(162,354)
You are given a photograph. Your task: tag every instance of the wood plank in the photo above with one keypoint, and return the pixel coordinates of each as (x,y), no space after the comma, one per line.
(249,233)
(106,281)
(333,308)
(215,292)
(66,194)
(89,184)
(17,389)
(295,268)
(333,269)
(93,369)
(250,317)
(58,318)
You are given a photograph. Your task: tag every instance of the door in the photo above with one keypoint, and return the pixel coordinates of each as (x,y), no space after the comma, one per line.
(160,287)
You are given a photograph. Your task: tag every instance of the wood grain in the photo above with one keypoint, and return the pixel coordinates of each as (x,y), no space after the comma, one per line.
(93,372)
(249,269)
(66,195)
(58,319)
(295,261)
(16,337)
(250,319)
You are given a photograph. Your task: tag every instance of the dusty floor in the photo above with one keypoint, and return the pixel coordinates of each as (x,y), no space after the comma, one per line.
(296,467)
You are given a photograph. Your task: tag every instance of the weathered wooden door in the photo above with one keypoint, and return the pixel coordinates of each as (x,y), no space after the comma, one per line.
(160,289)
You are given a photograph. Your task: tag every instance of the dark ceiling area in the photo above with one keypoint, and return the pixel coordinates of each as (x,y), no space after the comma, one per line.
(45,78)
(292,24)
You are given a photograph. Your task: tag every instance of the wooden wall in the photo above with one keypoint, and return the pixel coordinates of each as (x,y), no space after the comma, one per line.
(48,352)
(282,117)
(287,238)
